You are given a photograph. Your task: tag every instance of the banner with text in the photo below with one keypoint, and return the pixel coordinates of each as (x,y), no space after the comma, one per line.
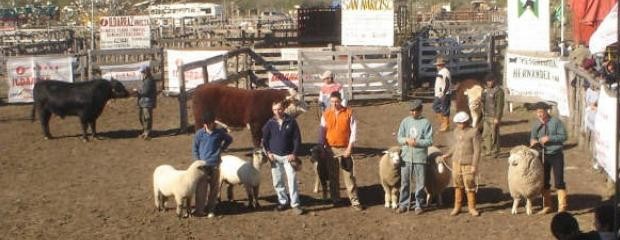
(122,32)
(283,79)
(529,25)
(193,77)
(128,74)
(605,130)
(367,22)
(23,72)
(541,77)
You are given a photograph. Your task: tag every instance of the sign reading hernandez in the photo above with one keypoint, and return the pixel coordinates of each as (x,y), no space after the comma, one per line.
(24,72)
(120,32)
(541,77)
(368,22)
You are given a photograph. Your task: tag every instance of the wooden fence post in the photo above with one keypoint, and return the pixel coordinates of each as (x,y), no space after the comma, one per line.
(182,100)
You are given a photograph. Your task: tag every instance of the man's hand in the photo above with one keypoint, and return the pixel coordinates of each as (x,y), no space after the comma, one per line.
(533,142)
(496,121)
(270,156)
(347,153)
(544,140)
(411,142)
(290,157)
(473,170)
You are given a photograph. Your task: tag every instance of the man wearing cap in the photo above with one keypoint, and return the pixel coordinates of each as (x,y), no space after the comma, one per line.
(209,142)
(337,132)
(465,153)
(329,86)
(281,141)
(415,135)
(441,104)
(492,111)
(147,100)
(549,134)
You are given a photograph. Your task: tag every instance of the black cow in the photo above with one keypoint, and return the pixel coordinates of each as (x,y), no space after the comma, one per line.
(84,99)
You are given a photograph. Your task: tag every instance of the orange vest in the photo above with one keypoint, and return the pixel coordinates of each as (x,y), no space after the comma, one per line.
(338,127)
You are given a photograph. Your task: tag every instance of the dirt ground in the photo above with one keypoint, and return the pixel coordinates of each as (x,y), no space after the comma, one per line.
(67,189)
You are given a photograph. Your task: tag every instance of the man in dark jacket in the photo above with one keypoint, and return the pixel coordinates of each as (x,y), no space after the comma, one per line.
(147,100)
(492,110)
(281,140)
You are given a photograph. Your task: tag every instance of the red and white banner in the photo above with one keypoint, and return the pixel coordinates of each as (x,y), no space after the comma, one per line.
(24,72)
(121,32)
(283,79)
(124,72)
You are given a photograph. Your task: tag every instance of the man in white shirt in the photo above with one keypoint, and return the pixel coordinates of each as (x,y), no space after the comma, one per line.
(441,104)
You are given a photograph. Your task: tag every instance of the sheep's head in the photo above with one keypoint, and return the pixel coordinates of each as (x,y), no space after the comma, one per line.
(434,155)
(258,158)
(394,154)
(316,152)
(522,154)
(198,166)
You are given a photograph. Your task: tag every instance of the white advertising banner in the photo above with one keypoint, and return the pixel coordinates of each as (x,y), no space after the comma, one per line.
(121,32)
(605,130)
(193,77)
(283,79)
(529,25)
(367,22)
(24,72)
(124,72)
(289,54)
(541,77)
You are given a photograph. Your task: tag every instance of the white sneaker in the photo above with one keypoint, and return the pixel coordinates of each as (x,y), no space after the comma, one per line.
(596,166)
(211,215)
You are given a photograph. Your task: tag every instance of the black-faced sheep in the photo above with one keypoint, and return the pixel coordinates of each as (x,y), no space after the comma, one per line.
(236,171)
(321,175)
(181,184)
(525,176)
(389,175)
(437,176)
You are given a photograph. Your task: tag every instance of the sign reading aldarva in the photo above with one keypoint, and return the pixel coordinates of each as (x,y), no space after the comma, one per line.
(368,22)
(120,32)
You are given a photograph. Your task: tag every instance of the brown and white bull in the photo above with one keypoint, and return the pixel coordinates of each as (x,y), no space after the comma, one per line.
(239,108)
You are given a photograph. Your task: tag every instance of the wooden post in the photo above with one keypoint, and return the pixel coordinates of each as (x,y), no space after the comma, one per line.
(90,64)
(182,100)
(401,76)
(349,74)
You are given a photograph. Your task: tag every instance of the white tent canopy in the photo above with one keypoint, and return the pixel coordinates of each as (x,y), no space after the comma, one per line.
(606,33)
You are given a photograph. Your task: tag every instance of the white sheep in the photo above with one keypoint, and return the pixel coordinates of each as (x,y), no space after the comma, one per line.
(389,175)
(525,176)
(437,177)
(181,184)
(236,171)
(321,175)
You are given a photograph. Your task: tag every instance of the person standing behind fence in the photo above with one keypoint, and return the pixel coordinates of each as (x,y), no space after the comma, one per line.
(281,140)
(209,142)
(329,86)
(147,101)
(550,134)
(337,132)
(465,153)
(492,111)
(415,135)
(441,104)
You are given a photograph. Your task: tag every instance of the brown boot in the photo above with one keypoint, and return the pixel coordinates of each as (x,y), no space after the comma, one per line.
(562,200)
(546,194)
(471,203)
(458,201)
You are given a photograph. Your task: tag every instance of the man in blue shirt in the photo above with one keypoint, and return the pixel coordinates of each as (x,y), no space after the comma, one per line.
(209,142)
(281,140)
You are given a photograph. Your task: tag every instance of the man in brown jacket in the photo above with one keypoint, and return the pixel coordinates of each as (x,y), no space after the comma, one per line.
(465,155)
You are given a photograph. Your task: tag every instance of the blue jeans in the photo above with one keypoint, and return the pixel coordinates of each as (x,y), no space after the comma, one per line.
(279,166)
(418,170)
(442,105)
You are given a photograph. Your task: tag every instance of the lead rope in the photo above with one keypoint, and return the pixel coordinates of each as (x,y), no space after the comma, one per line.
(476,176)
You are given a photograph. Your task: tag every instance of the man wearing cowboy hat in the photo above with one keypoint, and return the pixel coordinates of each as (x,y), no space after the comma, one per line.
(441,104)
(147,100)
(549,133)
(465,153)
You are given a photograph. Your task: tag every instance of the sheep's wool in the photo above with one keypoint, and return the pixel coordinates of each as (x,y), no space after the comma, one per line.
(525,173)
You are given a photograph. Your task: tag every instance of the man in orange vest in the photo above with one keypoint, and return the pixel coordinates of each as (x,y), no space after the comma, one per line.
(337,133)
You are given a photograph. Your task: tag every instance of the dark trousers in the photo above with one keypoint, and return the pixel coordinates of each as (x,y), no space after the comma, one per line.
(442,105)
(146,119)
(554,162)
